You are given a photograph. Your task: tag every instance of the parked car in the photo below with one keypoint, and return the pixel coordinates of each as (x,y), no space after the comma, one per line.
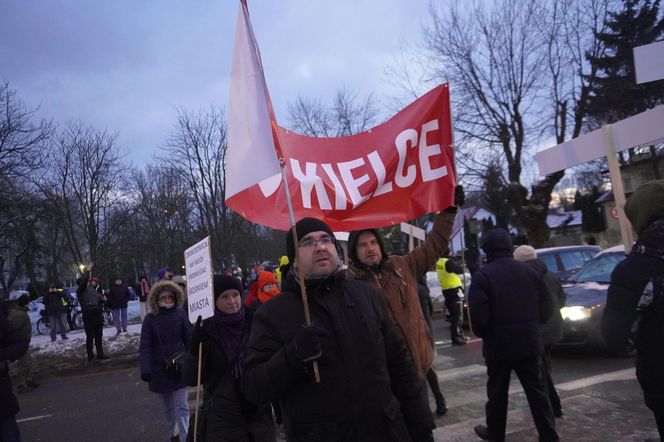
(586,299)
(564,261)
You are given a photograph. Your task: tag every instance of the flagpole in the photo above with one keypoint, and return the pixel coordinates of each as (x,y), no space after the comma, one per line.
(460,211)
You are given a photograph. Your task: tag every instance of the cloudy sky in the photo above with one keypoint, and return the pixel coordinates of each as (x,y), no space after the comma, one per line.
(127,65)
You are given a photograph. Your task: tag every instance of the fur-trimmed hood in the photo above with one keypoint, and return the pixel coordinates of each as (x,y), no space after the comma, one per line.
(160,287)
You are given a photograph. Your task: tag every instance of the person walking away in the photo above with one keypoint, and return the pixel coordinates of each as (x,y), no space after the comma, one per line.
(143,292)
(369,389)
(228,415)
(18,318)
(118,299)
(552,330)
(71,305)
(166,331)
(56,309)
(448,276)
(397,276)
(509,301)
(92,309)
(432,378)
(13,345)
(634,313)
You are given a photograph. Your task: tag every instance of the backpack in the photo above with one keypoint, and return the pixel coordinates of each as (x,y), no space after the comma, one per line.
(90,301)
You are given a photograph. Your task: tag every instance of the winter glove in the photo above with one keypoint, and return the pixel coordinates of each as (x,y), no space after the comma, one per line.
(146,377)
(459,199)
(307,343)
(196,335)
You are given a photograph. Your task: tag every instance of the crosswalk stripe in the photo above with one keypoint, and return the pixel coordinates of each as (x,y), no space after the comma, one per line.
(34,418)
(454,373)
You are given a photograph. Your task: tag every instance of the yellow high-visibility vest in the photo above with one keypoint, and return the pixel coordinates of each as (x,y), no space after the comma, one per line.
(447,280)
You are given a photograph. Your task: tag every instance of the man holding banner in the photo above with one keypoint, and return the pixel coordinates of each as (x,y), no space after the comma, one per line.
(397,277)
(366,372)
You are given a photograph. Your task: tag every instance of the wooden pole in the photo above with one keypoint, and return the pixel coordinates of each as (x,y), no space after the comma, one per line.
(303,288)
(618,188)
(198,389)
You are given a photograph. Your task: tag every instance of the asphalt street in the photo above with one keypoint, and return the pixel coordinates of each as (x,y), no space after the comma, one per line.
(601,400)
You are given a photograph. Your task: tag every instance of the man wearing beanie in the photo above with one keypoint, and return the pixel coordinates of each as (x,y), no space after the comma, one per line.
(368,389)
(397,277)
(634,313)
(552,330)
(509,302)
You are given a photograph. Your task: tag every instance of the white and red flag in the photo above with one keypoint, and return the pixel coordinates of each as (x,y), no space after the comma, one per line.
(394,172)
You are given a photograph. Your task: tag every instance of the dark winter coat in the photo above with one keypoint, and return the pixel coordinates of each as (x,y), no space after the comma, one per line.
(19,319)
(12,347)
(508,302)
(118,297)
(366,372)
(163,333)
(397,278)
(53,301)
(230,414)
(628,281)
(552,329)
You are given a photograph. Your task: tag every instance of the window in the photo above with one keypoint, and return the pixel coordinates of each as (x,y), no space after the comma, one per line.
(600,268)
(550,261)
(573,259)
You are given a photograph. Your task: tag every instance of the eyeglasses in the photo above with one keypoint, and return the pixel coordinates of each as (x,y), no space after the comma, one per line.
(311,243)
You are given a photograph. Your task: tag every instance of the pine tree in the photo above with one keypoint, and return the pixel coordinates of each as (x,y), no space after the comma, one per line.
(615,94)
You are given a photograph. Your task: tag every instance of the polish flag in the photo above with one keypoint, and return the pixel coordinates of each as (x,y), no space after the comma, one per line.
(253,146)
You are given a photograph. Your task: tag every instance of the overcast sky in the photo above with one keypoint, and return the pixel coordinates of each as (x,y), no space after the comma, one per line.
(126,65)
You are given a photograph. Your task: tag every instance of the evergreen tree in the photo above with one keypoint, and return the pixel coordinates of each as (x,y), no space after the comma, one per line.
(614,93)
(495,195)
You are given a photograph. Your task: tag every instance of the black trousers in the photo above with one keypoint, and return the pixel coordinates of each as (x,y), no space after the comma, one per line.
(432,380)
(654,398)
(553,394)
(453,307)
(530,372)
(94,324)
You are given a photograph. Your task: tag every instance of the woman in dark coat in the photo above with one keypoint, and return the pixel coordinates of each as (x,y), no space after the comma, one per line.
(228,415)
(165,331)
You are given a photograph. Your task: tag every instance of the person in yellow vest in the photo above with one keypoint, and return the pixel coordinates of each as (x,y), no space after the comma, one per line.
(450,281)
(282,262)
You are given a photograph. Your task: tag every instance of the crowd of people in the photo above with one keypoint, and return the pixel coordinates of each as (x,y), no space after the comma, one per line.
(346,354)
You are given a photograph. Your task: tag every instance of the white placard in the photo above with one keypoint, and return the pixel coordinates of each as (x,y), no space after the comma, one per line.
(649,62)
(413,231)
(200,298)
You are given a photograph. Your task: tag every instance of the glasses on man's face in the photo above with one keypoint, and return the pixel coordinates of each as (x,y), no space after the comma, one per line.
(311,243)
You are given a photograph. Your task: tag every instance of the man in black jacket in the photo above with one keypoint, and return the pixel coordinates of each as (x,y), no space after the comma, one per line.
(365,368)
(13,346)
(91,306)
(508,301)
(634,313)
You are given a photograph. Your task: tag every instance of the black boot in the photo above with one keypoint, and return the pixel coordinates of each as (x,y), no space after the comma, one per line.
(441,407)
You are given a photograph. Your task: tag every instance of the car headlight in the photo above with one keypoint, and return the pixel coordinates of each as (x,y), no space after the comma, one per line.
(576,313)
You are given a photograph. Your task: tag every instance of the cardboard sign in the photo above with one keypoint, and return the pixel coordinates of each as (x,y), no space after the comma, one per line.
(200,298)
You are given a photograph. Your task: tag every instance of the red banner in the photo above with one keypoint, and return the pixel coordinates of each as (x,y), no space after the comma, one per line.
(394,172)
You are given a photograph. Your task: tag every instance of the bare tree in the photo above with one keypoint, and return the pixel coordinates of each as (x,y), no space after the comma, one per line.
(197,151)
(348,115)
(22,147)
(519,73)
(89,188)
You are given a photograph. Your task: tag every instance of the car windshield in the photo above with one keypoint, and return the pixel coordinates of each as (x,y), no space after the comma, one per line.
(599,269)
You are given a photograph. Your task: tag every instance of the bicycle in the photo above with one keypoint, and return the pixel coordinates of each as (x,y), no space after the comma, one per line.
(42,323)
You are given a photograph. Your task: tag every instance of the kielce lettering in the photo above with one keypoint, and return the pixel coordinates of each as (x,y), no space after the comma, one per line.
(310,180)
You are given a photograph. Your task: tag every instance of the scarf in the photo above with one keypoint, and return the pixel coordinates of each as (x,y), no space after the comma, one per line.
(265,296)
(227,329)
(651,240)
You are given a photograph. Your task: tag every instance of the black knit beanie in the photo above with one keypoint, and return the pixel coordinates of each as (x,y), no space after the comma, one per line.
(221,283)
(304,227)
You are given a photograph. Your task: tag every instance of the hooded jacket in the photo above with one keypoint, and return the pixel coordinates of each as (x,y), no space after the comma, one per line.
(508,302)
(397,277)
(366,374)
(163,333)
(552,329)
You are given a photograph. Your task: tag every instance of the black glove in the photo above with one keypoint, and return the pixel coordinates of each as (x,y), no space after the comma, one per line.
(459,199)
(307,343)
(146,377)
(196,335)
